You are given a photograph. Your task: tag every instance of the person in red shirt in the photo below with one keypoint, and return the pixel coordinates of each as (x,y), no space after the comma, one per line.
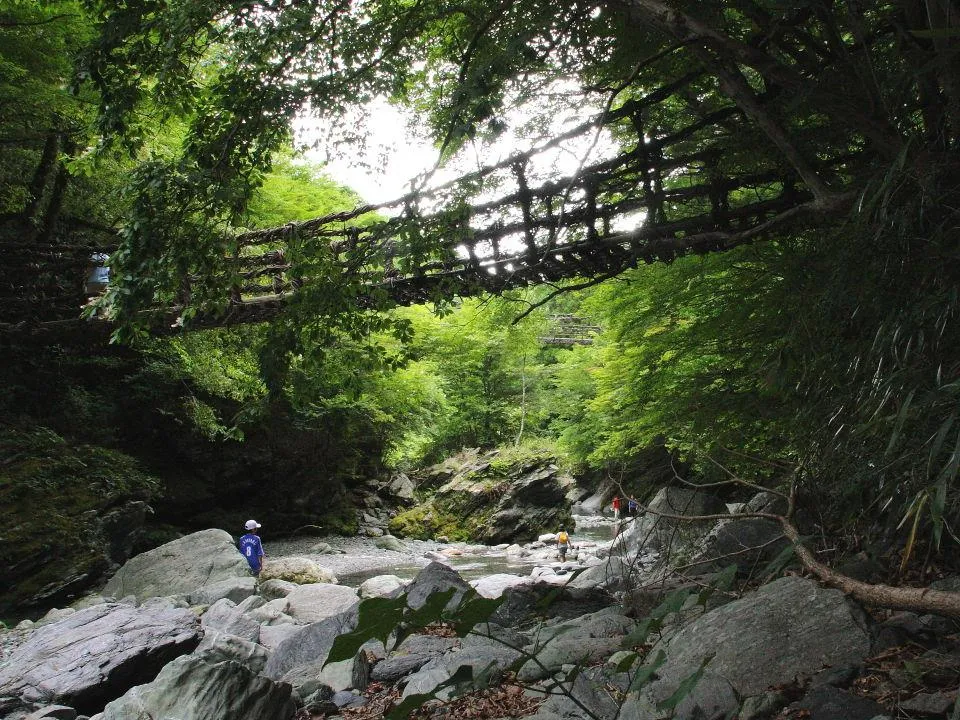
(616,507)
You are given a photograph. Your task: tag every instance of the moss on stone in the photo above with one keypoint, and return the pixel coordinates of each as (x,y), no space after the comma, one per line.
(52,494)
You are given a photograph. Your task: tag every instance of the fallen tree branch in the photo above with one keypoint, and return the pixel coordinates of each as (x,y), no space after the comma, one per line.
(924,600)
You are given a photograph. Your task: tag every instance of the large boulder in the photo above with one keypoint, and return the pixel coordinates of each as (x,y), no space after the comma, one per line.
(180,567)
(676,540)
(191,689)
(492,499)
(745,542)
(236,589)
(97,654)
(791,628)
(412,654)
(435,577)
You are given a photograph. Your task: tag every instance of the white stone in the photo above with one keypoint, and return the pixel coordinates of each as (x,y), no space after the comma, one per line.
(381,585)
(314,602)
(493,586)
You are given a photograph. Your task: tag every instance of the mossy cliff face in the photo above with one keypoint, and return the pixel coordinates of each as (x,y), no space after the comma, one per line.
(71,513)
(492,497)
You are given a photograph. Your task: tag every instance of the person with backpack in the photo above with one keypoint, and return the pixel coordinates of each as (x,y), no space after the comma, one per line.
(563,543)
(251,548)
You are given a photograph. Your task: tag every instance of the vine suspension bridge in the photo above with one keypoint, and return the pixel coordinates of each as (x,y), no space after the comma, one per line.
(668,192)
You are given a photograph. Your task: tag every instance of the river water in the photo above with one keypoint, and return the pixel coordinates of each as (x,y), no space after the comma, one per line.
(358,558)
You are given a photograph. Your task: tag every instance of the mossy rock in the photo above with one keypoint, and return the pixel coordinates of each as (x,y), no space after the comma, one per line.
(515,495)
(64,506)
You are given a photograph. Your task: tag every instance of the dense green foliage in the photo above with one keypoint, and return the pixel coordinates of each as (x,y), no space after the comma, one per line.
(824,350)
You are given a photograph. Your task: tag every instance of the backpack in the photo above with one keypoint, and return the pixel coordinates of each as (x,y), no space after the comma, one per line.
(562,538)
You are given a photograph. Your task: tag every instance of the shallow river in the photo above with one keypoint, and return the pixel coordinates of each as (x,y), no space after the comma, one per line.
(360,558)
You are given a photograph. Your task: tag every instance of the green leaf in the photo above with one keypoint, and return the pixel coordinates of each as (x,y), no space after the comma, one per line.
(685,687)
(405,709)
(378,618)
(626,663)
(673,603)
(898,426)
(639,635)
(473,611)
(431,611)
(645,672)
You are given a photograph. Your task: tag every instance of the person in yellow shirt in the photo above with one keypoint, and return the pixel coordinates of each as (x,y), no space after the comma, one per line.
(563,543)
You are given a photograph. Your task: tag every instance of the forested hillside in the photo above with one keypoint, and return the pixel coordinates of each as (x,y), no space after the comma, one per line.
(810,345)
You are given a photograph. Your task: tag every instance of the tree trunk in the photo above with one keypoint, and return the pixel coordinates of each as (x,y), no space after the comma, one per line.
(41,178)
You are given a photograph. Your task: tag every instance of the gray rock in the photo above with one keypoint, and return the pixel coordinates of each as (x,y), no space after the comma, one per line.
(579,640)
(436,577)
(936,703)
(310,644)
(401,487)
(480,654)
(611,575)
(299,570)
(251,603)
(759,707)
(190,689)
(235,589)
(493,586)
(218,646)
(389,542)
(53,712)
(525,604)
(749,544)
(789,628)
(767,502)
(316,601)
(180,566)
(97,653)
(588,693)
(226,617)
(395,668)
(276,588)
(412,654)
(674,539)
(272,635)
(829,703)
(344,699)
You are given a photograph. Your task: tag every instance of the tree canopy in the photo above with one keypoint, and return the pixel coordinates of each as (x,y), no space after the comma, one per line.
(784,175)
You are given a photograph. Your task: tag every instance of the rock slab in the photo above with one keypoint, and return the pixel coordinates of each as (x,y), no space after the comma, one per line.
(97,654)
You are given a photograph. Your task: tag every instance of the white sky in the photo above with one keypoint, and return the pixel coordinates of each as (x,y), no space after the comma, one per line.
(391,150)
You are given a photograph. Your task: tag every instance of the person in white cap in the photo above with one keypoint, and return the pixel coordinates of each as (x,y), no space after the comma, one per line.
(251,547)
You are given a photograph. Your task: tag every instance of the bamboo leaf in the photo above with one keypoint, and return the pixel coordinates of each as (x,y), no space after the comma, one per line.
(912,537)
(898,427)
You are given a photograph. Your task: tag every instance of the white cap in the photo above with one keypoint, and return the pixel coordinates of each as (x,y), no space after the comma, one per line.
(252,525)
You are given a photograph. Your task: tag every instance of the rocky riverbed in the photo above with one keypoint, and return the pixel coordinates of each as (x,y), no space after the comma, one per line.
(355,559)
(184,632)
